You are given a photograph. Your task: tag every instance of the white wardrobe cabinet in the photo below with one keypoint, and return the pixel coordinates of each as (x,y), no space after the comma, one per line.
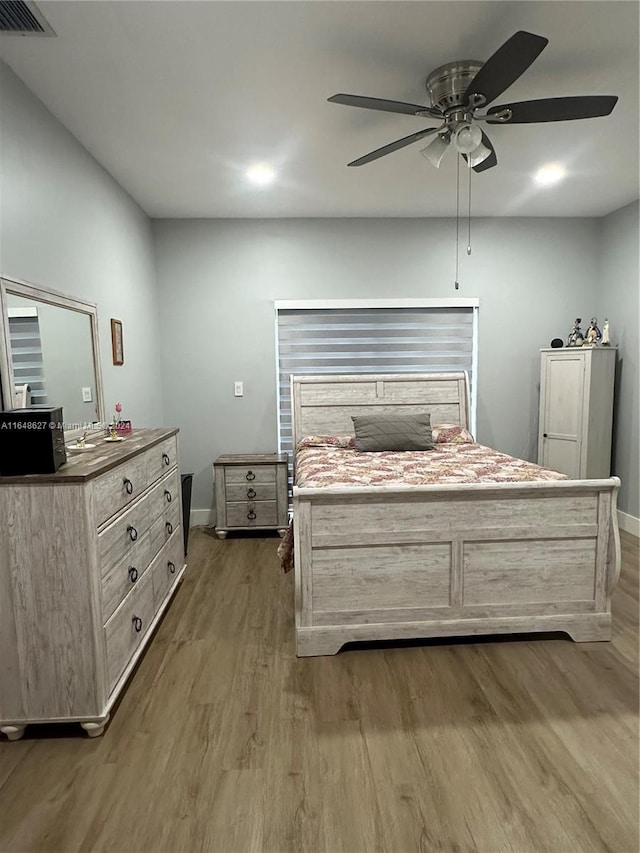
(90,558)
(576,410)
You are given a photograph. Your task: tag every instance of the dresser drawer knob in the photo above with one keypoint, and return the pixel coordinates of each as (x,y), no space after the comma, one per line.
(251,493)
(128,486)
(172,567)
(133,574)
(168,496)
(137,624)
(250,475)
(165,459)
(133,533)
(251,515)
(169,528)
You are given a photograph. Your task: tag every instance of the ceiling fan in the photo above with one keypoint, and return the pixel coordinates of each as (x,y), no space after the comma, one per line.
(459,90)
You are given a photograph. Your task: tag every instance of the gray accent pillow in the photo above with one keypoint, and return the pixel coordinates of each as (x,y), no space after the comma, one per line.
(375,433)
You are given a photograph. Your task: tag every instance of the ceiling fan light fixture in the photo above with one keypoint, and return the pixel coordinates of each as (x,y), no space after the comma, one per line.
(478,155)
(467,137)
(437,148)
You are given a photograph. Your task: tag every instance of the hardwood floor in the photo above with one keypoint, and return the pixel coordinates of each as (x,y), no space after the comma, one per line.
(224,741)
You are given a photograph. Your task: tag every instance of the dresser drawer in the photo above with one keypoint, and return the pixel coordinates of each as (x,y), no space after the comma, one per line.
(162,528)
(127,627)
(122,577)
(124,536)
(161,458)
(166,567)
(251,492)
(164,495)
(252,514)
(256,474)
(117,488)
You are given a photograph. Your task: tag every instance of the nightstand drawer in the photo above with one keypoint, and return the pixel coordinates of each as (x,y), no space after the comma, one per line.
(251,492)
(252,514)
(239,474)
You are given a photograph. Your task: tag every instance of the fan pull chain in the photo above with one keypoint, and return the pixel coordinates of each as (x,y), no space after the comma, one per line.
(469,214)
(457,283)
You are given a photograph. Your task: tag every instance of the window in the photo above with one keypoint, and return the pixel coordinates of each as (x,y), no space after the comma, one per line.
(372,336)
(26,352)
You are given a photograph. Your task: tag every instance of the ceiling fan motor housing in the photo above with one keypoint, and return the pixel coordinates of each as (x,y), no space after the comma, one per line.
(448,83)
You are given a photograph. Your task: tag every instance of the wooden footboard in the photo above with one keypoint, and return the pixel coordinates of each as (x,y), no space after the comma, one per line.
(431,561)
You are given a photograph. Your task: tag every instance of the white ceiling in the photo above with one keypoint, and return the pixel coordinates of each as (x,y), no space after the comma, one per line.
(176,98)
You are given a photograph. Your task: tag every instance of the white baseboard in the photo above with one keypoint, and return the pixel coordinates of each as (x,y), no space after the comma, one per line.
(629,523)
(198,517)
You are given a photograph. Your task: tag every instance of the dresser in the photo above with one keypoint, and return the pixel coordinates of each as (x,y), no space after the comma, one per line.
(576,410)
(89,559)
(251,492)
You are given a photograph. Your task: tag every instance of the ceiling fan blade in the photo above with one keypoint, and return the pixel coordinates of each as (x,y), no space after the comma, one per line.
(393,146)
(557,109)
(384,105)
(506,65)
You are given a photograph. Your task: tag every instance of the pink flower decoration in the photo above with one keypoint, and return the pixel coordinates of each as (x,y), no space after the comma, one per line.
(118,407)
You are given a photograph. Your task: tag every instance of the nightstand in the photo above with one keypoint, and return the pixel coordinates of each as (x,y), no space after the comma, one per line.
(251,492)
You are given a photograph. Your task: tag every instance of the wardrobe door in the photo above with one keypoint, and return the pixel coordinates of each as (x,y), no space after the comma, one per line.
(562,401)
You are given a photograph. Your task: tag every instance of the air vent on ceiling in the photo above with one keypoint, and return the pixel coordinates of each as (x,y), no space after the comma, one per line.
(23,18)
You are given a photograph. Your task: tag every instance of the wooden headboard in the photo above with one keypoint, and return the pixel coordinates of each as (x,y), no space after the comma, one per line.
(323,405)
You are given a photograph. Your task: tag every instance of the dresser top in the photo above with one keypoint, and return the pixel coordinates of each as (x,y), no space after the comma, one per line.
(81,467)
(251,459)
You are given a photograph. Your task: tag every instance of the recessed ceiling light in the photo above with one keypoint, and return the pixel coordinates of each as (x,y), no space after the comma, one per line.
(260,174)
(550,174)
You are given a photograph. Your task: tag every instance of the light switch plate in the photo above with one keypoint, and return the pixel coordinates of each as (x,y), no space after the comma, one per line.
(238,389)
(86,395)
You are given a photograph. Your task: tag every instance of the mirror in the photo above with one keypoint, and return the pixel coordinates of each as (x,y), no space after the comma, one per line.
(49,354)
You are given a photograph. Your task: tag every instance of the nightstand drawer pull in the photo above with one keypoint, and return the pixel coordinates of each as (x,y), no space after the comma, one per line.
(172,567)
(250,475)
(251,515)
(168,496)
(133,574)
(169,528)
(137,624)
(128,486)
(251,493)
(165,459)
(133,533)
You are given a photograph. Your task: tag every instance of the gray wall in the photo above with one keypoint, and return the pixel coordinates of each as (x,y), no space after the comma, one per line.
(65,224)
(218,280)
(619,287)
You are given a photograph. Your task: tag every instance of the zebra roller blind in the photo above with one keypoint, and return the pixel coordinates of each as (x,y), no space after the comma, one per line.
(26,353)
(368,339)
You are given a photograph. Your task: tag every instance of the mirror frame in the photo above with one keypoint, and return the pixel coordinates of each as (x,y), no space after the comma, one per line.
(49,297)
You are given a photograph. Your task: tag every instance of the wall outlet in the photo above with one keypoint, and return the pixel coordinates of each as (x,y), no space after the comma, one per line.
(238,389)
(86,395)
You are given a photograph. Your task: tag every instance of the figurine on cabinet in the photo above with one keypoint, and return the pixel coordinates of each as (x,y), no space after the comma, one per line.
(594,335)
(605,334)
(576,338)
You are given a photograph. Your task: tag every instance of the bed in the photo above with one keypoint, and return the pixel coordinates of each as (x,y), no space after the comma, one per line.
(399,561)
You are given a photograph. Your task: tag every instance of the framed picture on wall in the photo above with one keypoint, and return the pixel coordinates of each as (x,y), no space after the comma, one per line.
(117,344)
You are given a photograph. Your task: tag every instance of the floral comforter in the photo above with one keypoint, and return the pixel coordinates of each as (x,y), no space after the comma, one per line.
(325,464)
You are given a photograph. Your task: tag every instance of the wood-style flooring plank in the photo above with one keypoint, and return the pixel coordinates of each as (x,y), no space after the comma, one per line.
(225,742)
